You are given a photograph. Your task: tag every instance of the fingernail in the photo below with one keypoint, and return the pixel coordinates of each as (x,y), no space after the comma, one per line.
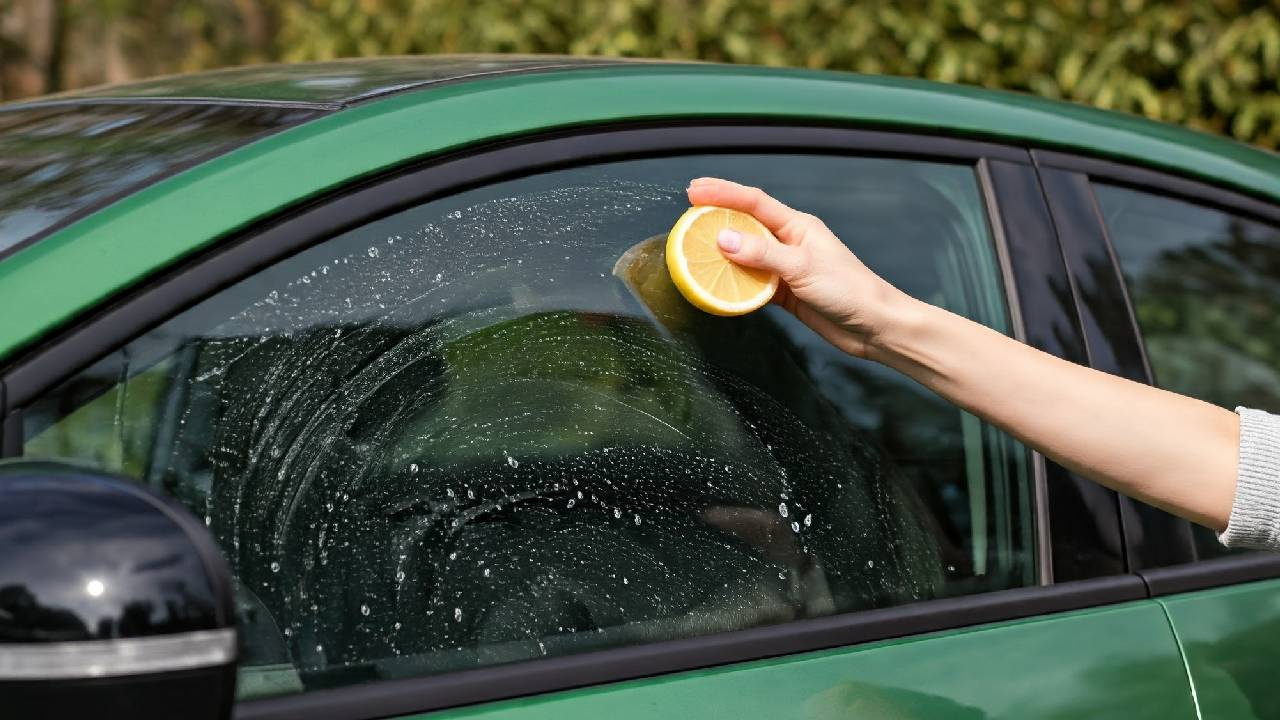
(699,181)
(729,241)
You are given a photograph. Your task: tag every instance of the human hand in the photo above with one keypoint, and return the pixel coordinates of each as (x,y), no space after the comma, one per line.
(823,283)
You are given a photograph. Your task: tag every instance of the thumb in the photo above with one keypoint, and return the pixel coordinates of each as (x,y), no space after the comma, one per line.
(760,252)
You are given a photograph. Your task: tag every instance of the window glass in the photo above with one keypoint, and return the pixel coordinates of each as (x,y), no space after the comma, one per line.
(1205,286)
(63,159)
(481,431)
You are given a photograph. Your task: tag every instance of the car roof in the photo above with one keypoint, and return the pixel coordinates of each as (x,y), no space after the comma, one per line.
(328,85)
(148,230)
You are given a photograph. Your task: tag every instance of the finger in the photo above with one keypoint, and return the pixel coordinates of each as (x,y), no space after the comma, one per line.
(754,201)
(760,252)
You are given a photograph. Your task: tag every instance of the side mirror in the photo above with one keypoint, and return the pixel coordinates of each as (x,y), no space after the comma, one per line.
(114,602)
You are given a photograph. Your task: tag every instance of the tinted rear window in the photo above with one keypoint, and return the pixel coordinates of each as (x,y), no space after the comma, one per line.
(61,161)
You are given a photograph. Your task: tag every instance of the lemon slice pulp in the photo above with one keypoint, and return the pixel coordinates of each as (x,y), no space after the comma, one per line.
(706,278)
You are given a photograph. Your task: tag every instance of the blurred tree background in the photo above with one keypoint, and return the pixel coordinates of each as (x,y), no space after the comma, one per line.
(1208,64)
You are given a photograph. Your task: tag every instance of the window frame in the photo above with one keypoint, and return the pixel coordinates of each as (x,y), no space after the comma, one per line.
(1158,546)
(997,169)
(1082,518)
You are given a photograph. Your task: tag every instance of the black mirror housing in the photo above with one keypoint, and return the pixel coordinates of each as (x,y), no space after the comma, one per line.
(114,601)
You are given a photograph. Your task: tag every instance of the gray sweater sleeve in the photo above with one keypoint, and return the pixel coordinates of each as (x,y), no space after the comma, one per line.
(1255,514)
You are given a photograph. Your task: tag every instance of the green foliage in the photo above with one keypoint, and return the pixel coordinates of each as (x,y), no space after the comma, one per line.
(1209,64)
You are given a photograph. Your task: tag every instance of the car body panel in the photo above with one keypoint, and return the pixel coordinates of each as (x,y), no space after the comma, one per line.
(101,255)
(1231,639)
(1114,662)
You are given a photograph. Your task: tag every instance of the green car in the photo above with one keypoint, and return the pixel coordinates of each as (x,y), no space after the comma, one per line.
(333,391)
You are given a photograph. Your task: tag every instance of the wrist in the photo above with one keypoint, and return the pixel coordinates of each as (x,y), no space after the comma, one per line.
(899,324)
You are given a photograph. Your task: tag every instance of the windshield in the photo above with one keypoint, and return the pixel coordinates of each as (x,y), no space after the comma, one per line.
(59,162)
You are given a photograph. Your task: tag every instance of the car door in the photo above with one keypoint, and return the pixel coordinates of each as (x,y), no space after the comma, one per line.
(1195,270)
(461,442)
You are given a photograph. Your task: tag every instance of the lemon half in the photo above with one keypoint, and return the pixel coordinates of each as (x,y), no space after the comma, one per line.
(706,278)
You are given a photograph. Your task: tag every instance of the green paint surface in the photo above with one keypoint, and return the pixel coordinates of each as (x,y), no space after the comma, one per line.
(1231,638)
(1114,662)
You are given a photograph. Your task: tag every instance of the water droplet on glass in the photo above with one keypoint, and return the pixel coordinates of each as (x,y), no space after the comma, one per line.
(808,520)
(782,509)
(373,252)
(364,610)
(396,626)
(275,567)
(453,555)
(319,648)
(399,576)
(413,468)
(625,581)
(871,563)
(617,514)
(457,614)
(637,519)
(486,572)
(795,526)
(782,576)
(439,277)
(513,462)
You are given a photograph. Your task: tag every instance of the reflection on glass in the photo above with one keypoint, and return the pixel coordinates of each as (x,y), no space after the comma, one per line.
(82,563)
(1206,289)
(454,438)
(59,160)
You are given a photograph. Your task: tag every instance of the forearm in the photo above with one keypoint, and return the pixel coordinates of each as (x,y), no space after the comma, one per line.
(1165,449)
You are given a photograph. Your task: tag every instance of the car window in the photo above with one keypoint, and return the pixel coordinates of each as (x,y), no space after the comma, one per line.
(486,429)
(62,159)
(1205,286)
